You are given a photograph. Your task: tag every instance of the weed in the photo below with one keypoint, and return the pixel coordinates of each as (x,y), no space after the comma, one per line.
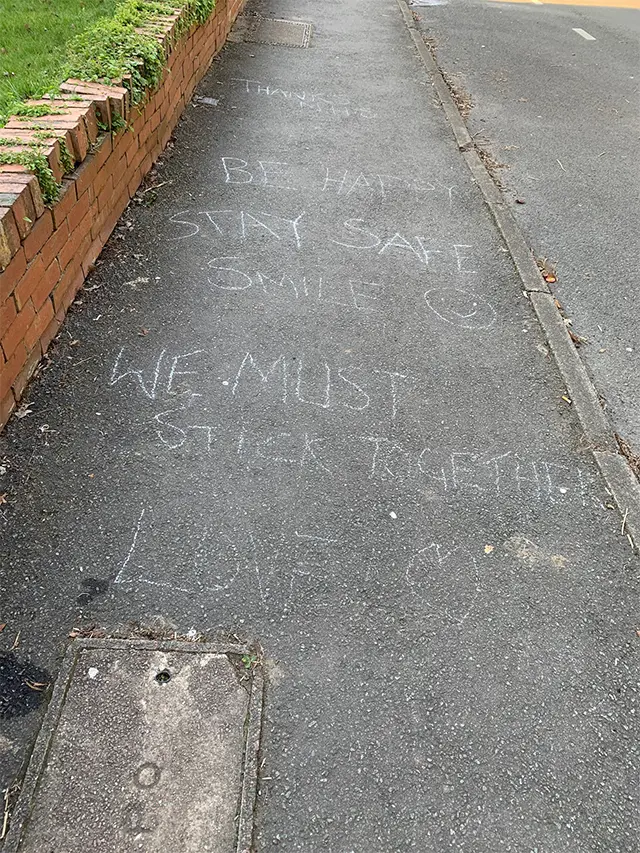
(66,160)
(36,162)
(27,111)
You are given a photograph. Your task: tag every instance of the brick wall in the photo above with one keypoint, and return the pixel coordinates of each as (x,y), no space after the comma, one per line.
(46,252)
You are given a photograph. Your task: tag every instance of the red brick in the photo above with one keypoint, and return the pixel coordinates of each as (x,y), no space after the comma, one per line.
(14,167)
(53,245)
(91,255)
(67,199)
(12,274)
(73,250)
(11,369)
(79,140)
(45,286)
(27,371)
(105,195)
(49,334)
(36,329)
(66,289)
(138,124)
(40,233)
(24,212)
(7,405)
(9,236)
(134,182)
(124,144)
(91,124)
(85,175)
(116,211)
(28,283)
(16,331)
(78,212)
(103,178)
(7,314)
(102,150)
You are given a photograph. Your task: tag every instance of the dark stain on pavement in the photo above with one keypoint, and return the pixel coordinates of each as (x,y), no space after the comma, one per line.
(92,588)
(22,686)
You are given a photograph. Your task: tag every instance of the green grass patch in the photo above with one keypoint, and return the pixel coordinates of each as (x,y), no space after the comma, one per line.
(42,42)
(33,35)
(94,40)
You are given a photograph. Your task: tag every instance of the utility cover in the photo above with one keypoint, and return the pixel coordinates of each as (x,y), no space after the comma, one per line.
(142,750)
(276,31)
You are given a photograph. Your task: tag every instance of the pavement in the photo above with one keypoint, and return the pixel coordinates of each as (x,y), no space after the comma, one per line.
(304,402)
(555,91)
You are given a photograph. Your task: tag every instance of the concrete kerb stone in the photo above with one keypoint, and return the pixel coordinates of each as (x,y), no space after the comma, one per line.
(599,432)
(38,758)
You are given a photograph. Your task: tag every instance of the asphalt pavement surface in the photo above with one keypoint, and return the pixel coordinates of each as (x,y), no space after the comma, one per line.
(555,90)
(303,401)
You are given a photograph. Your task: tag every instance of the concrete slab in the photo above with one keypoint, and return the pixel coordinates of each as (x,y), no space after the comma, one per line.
(143,748)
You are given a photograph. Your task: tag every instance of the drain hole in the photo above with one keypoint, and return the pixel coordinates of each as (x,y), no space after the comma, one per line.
(163,676)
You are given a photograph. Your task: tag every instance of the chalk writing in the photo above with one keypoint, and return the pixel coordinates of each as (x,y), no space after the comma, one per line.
(296,380)
(289,567)
(460,308)
(335,181)
(316,102)
(357,236)
(242,224)
(258,228)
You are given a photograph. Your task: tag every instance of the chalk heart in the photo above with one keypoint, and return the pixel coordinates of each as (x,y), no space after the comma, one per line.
(461,308)
(445,579)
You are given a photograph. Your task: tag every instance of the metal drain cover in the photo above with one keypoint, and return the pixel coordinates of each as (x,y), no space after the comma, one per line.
(148,746)
(276,31)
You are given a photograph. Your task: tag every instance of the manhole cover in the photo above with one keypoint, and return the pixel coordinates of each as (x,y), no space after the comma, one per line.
(148,746)
(253,28)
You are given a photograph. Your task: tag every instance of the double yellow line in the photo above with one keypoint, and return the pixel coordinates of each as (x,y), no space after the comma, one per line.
(610,4)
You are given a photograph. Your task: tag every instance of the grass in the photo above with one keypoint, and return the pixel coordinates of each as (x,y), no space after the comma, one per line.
(33,37)
(42,42)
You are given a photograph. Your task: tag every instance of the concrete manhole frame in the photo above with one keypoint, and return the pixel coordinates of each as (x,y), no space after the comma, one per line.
(253,727)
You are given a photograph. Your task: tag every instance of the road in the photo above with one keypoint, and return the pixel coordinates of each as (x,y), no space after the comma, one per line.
(304,401)
(556,99)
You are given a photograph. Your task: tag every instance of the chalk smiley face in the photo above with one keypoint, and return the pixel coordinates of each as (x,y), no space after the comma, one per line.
(461,308)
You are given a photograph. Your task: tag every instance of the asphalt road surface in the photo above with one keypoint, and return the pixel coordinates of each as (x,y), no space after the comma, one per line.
(556,99)
(304,401)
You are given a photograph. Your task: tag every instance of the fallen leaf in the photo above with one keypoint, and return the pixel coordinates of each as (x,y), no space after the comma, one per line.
(3,498)
(549,277)
(91,476)
(143,332)
(488,549)
(3,625)
(35,685)
(520,201)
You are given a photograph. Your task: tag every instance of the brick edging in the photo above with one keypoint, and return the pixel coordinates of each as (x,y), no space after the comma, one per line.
(46,252)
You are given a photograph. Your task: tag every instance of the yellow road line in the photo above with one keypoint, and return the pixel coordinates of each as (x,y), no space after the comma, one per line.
(609,4)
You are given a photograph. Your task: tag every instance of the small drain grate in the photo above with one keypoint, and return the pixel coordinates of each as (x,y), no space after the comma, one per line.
(253,28)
